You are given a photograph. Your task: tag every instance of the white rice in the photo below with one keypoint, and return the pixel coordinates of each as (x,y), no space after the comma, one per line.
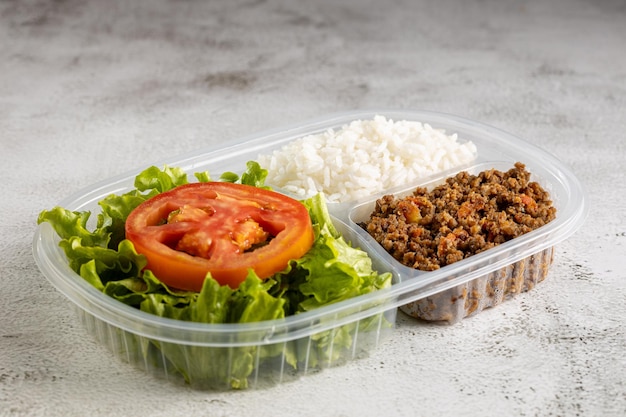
(363,158)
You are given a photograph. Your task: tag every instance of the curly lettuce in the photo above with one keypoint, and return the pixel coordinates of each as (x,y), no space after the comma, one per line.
(332,271)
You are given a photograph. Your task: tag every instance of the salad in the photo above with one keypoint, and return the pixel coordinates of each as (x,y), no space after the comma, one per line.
(248,255)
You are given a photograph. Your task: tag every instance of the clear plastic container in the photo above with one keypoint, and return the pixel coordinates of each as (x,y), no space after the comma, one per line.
(204,356)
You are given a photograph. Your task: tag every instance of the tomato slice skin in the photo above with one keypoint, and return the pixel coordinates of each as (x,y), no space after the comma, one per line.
(218,227)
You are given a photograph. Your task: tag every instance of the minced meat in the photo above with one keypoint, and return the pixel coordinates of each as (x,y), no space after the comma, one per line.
(464,216)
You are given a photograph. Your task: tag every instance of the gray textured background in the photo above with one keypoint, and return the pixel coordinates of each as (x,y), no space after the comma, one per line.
(92,89)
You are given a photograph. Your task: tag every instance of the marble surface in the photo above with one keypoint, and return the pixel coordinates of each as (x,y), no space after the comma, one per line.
(89,90)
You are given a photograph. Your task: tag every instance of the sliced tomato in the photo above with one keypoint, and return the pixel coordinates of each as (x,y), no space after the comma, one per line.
(218,227)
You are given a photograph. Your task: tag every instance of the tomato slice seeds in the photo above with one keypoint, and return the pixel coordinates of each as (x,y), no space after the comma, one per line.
(218,227)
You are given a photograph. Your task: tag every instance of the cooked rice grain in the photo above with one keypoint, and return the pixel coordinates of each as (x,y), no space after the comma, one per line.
(363,158)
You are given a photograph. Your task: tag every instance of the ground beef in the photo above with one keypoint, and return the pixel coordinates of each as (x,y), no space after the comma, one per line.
(464,216)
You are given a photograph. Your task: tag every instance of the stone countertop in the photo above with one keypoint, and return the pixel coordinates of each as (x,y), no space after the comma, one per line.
(89,90)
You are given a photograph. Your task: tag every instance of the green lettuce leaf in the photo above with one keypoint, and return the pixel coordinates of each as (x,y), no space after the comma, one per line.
(254,175)
(157,181)
(202,176)
(69,224)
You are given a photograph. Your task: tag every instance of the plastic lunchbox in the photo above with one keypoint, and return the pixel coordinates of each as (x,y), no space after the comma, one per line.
(204,355)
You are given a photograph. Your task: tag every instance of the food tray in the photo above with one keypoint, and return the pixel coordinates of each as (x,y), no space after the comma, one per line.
(470,296)
(195,352)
